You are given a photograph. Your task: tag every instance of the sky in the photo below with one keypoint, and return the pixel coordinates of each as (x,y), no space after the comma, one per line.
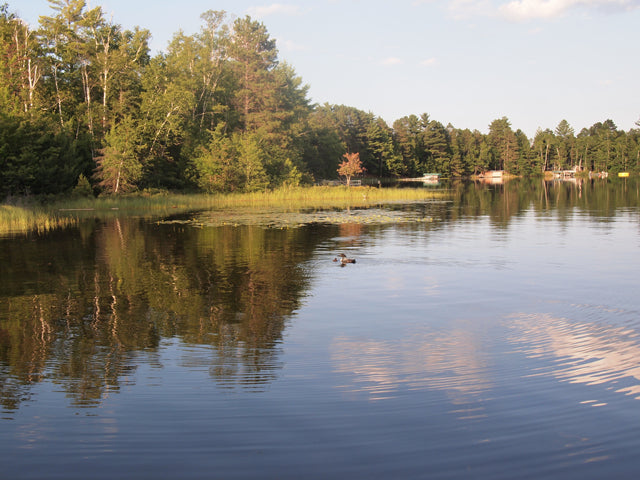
(462,62)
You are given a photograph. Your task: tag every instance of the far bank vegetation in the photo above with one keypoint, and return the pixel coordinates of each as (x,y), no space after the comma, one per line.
(83,102)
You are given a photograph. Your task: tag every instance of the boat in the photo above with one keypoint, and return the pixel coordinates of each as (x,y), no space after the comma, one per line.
(598,174)
(564,174)
(431,178)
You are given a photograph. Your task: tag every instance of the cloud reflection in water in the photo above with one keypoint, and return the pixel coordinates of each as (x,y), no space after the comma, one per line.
(582,352)
(447,361)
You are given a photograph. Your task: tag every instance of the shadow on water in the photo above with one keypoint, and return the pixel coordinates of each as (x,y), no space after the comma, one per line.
(78,307)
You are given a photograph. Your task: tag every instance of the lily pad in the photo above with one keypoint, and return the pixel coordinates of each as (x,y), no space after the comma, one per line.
(277,218)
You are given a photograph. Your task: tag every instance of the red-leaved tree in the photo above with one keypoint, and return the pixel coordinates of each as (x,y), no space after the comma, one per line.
(350,166)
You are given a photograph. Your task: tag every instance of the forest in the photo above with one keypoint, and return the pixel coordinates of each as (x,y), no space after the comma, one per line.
(84,106)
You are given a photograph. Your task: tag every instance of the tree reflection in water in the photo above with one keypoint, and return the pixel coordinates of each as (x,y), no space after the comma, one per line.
(77,306)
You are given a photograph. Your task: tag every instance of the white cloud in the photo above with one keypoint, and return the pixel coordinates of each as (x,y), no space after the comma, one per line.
(274,9)
(391,61)
(547,9)
(470,8)
(429,62)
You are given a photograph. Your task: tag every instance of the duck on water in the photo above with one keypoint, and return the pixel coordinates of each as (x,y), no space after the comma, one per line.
(344,259)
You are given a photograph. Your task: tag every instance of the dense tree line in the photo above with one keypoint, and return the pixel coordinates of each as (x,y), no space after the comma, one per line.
(83,100)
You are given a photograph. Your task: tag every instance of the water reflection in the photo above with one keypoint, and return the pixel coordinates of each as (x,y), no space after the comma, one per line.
(452,362)
(587,353)
(77,306)
(595,197)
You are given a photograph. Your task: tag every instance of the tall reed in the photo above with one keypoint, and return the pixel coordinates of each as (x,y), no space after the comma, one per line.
(33,216)
(15,219)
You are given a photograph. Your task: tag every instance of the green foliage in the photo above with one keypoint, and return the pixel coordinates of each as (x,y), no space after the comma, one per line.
(118,168)
(380,148)
(436,143)
(251,162)
(35,158)
(83,188)
(216,168)
(503,144)
(323,146)
(219,112)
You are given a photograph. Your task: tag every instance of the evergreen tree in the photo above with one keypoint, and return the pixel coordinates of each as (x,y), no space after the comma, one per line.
(118,168)
(220,112)
(216,166)
(380,147)
(322,146)
(504,145)
(543,143)
(254,55)
(409,141)
(436,141)
(525,162)
(565,145)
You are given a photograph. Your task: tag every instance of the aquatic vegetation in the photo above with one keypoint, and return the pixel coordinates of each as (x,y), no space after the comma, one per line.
(283,218)
(14,219)
(264,208)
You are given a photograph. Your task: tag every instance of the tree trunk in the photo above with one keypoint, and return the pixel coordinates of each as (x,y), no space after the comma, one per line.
(58,99)
(87,95)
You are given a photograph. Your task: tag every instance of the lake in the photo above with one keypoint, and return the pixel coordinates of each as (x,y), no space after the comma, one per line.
(493,334)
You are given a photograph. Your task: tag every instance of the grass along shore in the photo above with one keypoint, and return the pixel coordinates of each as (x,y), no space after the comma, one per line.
(37,216)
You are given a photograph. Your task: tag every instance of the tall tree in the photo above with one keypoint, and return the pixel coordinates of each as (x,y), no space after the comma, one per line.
(254,55)
(380,147)
(20,64)
(323,146)
(436,141)
(214,46)
(466,148)
(351,125)
(165,110)
(503,143)
(565,145)
(526,163)
(119,61)
(407,132)
(543,143)
(68,36)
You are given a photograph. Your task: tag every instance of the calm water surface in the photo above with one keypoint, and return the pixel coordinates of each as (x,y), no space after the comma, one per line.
(496,338)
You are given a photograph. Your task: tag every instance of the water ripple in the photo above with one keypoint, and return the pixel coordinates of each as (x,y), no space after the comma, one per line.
(589,353)
(449,362)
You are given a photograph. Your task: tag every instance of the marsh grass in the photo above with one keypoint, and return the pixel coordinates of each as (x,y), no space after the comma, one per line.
(23,219)
(42,216)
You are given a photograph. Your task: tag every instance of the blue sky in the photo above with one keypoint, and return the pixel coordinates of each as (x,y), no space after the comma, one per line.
(463,62)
